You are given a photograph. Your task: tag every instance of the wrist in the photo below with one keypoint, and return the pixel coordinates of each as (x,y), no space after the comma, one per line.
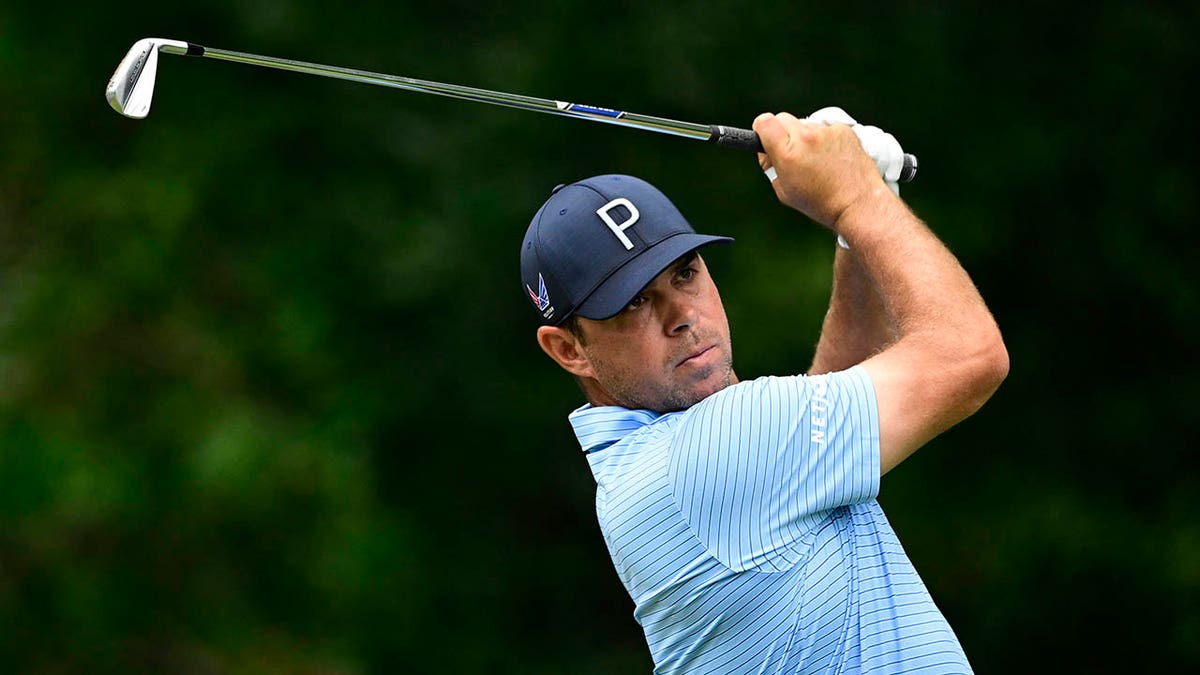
(872,212)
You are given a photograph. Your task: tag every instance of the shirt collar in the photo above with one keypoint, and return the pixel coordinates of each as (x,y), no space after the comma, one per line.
(599,427)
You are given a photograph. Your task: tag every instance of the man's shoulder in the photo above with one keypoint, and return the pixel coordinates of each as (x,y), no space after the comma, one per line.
(761,409)
(762,389)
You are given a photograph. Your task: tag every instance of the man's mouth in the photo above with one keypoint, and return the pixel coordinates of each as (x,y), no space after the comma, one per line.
(697,357)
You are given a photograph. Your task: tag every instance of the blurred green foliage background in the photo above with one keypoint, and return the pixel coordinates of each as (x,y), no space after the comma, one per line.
(269,396)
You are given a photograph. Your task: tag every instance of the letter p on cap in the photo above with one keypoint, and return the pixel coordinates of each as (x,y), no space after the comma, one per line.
(619,229)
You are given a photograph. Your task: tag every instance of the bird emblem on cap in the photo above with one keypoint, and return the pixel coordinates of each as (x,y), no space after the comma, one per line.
(541,299)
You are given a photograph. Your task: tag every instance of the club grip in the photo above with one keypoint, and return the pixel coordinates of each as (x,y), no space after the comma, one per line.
(747,139)
(735,138)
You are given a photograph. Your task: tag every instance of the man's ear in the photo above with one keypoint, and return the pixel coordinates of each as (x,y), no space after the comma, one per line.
(560,345)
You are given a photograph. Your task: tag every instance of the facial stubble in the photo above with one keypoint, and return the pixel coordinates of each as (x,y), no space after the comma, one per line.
(632,389)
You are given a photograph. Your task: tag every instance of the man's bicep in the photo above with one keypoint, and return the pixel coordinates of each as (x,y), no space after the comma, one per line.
(917,397)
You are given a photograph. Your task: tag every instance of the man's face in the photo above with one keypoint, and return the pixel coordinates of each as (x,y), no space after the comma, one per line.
(668,349)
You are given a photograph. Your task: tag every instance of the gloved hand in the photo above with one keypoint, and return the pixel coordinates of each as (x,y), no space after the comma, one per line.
(882,147)
(879,145)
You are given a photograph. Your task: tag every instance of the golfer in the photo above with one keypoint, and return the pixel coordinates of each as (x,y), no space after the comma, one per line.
(742,515)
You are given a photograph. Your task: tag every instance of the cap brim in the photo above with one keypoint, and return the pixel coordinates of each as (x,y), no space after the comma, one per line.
(615,292)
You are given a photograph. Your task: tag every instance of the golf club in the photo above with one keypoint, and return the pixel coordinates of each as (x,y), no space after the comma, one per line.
(132,86)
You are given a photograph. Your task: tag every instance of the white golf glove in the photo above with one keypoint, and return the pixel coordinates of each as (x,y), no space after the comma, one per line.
(881,147)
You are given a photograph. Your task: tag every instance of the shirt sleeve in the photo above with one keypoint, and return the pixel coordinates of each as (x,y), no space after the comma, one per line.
(755,467)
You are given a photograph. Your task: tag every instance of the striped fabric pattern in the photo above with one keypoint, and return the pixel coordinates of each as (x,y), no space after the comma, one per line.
(747,533)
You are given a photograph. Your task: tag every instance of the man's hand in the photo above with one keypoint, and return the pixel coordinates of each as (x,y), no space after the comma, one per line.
(822,168)
(880,146)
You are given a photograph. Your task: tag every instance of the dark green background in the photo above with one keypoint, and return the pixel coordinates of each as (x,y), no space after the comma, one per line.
(269,395)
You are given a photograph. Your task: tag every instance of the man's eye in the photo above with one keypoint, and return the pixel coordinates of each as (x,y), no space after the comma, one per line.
(636,302)
(688,273)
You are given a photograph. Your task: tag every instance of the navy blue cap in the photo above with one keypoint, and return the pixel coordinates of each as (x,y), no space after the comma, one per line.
(595,244)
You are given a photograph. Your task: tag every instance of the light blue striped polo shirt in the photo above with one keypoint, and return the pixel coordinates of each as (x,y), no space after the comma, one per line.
(747,533)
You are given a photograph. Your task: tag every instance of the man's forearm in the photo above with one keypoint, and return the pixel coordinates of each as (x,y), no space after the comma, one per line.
(857,325)
(921,285)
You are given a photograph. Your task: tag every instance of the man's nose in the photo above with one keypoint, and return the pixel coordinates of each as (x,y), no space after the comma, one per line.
(681,315)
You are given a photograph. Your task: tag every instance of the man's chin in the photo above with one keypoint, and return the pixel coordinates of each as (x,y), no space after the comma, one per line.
(686,399)
(720,383)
